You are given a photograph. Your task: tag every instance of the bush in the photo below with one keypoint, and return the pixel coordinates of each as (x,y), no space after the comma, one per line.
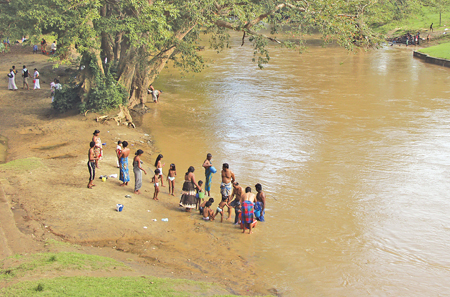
(66,99)
(105,94)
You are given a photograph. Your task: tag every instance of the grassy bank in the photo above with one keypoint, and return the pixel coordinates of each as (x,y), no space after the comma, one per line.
(420,21)
(438,51)
(64,274)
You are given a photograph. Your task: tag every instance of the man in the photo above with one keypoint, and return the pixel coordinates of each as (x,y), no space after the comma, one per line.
(208,174)
(155,93)
(53,47)
(225,186)
(260,205)
(238,192)
(247,209)
(431,27)
(91,164)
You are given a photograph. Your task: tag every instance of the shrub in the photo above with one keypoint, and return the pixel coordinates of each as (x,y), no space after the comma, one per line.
(66,98)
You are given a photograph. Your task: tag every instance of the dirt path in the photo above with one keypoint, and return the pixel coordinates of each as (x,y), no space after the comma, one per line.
(44,195)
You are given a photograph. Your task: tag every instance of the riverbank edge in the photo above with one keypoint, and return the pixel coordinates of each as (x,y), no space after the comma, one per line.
(432,60)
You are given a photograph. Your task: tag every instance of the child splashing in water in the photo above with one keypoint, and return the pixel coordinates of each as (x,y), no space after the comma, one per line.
(171,178)
(156,184)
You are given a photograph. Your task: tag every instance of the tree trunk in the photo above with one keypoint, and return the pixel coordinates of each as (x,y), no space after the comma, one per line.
(117,42)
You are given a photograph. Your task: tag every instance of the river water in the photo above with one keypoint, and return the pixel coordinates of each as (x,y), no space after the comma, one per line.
(352,150)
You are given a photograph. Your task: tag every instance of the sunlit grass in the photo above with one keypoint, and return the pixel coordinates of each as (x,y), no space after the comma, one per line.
(438,51)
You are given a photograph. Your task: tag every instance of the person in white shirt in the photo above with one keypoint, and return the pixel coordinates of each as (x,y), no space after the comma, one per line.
(53,47)
(37,86)
(12,83)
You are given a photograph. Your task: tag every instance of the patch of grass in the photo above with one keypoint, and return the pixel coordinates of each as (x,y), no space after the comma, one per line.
(43,262)
(112,286)
(420,21)
(438,51)
(22,164)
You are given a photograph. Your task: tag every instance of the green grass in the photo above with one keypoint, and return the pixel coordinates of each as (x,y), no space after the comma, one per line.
(418,22)
(438,51)
(22,164)
(18,266)
(112,286)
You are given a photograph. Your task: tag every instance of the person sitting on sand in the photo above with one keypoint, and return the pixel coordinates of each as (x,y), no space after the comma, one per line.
(156,184)
(208,213)
(137,169)
(247,209)
(203,204)
(123,160)
(91,164)
(171,178)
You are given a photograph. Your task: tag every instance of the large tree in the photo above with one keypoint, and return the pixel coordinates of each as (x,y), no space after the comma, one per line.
(141,36)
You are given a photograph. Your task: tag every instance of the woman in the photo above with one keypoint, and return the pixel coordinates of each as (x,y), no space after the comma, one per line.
(36,77)
(98,146)
(159,165)
(11,82)
(137,169)
(123,160)
(188,198)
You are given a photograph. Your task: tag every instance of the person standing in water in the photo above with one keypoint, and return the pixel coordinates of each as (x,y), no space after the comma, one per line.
(208,174)
(137,169)
(159,165)
(91,164)
(171,178)
(225,186)
(124,171)
(260,205)
(247,209)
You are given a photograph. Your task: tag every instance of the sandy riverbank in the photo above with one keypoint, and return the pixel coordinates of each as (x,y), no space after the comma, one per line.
(44,186)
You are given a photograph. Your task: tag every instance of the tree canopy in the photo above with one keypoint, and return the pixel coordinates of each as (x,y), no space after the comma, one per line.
(139,37)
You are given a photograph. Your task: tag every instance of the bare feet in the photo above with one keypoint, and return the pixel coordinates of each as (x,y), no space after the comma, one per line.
(137,192)
(172,194)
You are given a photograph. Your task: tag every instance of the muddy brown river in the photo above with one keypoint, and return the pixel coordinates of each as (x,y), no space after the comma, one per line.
(352,150)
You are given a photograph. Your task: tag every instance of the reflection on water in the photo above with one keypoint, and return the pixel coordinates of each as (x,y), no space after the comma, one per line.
(352,151)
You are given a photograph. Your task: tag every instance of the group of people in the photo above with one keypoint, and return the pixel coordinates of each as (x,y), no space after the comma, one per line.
(248,207)
(25,74)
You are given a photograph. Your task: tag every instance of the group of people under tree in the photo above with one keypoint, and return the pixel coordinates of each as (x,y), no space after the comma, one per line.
(248,207)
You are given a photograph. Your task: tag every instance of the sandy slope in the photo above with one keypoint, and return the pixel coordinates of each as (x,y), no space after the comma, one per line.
(48,198)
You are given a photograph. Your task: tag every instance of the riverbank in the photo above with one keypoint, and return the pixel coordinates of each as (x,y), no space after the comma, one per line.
(45,195)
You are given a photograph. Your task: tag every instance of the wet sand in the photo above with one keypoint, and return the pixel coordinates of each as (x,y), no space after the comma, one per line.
(44,192)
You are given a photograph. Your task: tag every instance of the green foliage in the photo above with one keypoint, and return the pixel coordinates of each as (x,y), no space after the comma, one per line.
(106,93)
(66,99)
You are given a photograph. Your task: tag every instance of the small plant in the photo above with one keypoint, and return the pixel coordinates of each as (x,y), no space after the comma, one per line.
(52,258)
(39,288)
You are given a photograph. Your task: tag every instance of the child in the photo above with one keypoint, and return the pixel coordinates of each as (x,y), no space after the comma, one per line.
(202,206)
(118,152)
(35,49)
(200,195)
(208,213)
(222,204)
(155,183)
(171,178)
(159,165)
